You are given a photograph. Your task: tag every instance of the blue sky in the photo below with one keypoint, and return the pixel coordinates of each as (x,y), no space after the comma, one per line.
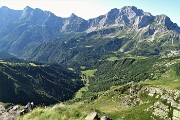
(93,8)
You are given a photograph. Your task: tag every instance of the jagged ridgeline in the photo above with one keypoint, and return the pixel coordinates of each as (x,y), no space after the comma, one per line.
(40,83)
(41,36)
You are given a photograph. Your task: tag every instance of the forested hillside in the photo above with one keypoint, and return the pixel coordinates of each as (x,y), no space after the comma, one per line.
(133,69)
(40,83)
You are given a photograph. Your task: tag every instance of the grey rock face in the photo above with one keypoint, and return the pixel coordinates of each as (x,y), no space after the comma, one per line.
(74,23)
(165,20)
(128,15)
(8,16)
(118,17)
(144,21)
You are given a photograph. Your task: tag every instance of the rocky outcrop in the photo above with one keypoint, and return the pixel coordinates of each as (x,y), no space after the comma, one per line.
(133,99)
(176,114)
(2,109)
(92,116)
(171,103)
(160,110)
(166,105)
(105,118)
(57,106)
(13,112)
(9,114)
(171,96)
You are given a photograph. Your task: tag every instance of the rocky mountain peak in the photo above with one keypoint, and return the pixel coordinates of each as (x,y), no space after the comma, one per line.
(8,15)
(113,11)
(36,16)
(165,20)
(162,19)
(73,15)
(27,12)
(131,11)
(27,8)
(129,8)
(74,23)
(4,8)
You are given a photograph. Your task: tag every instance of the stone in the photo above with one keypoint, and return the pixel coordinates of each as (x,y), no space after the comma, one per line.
(161,110)
(60,105)
(92,116)
(2,109)
(105,118)
(15,108)
(154,91)
(176,114)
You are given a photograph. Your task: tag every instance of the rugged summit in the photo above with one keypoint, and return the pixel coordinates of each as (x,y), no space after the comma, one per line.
(130,15)
(31,34)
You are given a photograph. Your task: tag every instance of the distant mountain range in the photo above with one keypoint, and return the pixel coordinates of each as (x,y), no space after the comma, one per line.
(39,35)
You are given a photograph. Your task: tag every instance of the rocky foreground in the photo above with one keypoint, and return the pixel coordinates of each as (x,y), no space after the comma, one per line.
(10,113)
(166,105)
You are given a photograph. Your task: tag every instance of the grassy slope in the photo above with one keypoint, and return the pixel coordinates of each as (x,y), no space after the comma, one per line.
(108,102)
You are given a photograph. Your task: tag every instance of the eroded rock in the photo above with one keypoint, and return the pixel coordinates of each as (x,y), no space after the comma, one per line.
(161,110)
(92,116)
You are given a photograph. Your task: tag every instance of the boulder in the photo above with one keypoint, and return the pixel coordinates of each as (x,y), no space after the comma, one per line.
(161,110)
(92,116)
(15,108)
(2,109)
(105,118)
(60,105)
(176,114)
